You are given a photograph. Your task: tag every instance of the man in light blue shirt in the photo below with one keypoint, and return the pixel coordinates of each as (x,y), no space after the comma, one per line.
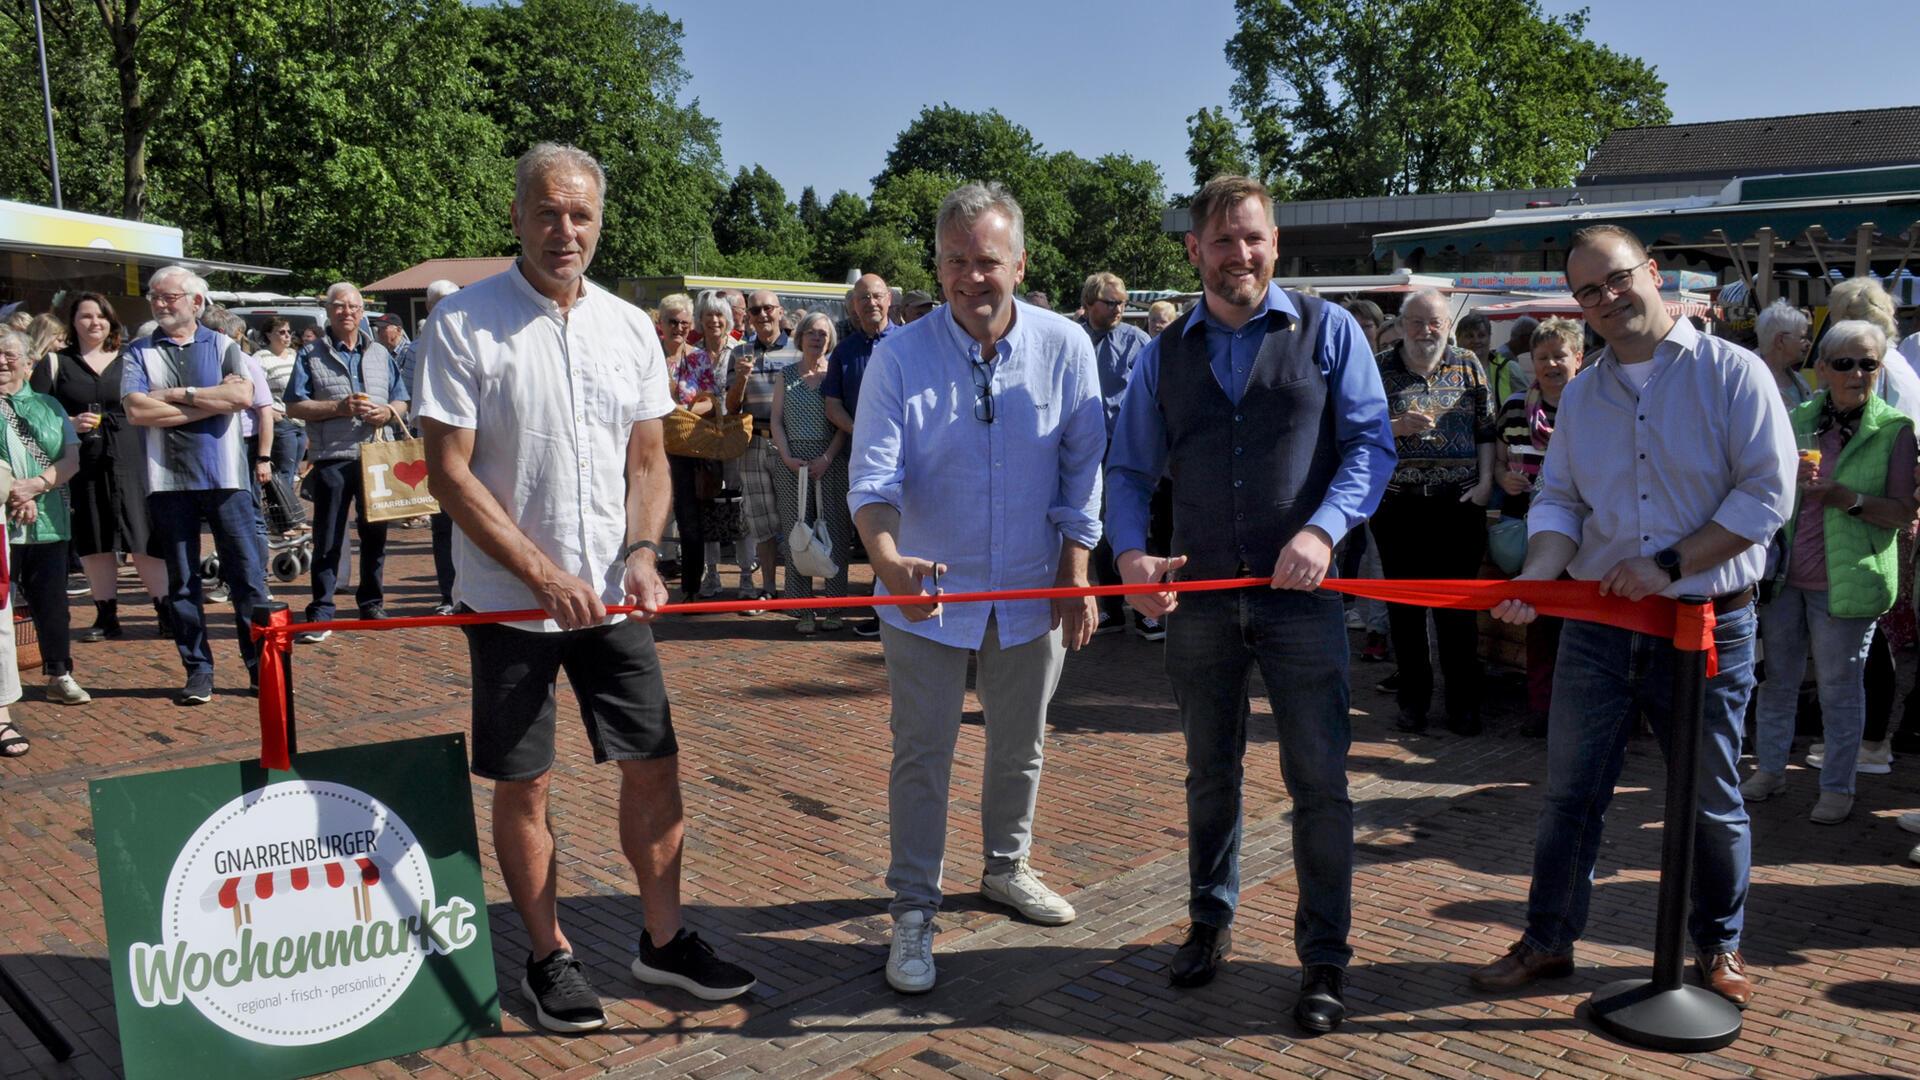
(1103,299)
(1671,467)
(1266,409)
(976,466)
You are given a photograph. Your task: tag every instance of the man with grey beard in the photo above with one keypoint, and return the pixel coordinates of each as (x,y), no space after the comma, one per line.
(1432,522)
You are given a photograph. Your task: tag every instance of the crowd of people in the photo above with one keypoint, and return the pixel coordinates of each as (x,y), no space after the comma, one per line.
(992,443)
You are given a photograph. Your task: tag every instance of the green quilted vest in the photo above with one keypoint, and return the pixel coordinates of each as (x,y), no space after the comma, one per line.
(1863,564)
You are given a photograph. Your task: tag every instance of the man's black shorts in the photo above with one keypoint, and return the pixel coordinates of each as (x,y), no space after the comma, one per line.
(615,675)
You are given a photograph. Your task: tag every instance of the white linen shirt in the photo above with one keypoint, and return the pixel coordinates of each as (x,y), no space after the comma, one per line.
(552,399)
(1630,472)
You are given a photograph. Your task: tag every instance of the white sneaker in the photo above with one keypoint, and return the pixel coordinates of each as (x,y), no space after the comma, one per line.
(1914,855)
(62,690)
(1876,758)
(910,961)
(1910,821)
(1831,808)
(1763,785)
(1021,890)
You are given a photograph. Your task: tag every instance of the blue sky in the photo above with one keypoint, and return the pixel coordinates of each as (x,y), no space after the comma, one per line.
(816,91)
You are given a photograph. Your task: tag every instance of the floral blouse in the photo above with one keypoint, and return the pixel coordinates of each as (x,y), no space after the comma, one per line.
(693,375)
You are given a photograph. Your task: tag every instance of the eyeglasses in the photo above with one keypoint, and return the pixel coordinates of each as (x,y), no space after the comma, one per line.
(982,390)
(682,323)
(763,309)
(166,298)
(1120,303)
(1843,364)
(339,305)
(1616,283)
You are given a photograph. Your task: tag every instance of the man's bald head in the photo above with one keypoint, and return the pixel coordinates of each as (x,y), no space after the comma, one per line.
(763,315)
(872,300)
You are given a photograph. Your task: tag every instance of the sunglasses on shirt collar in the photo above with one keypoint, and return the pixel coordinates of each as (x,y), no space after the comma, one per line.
(1843,364)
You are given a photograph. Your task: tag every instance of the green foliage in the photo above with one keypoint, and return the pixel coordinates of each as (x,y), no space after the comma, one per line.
(757,227)
(1345,98)
(1214,147)
(1117,201)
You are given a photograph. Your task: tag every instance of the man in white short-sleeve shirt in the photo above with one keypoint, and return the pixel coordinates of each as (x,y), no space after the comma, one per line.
(541,396)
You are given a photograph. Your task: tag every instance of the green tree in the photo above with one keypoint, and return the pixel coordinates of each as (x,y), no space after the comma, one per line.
(341,139)
(618,100)
(756,227)
(839,224)
(946,146)
(810,210)
(1346,98)
(86,113)
(1117,202)
(1214,147)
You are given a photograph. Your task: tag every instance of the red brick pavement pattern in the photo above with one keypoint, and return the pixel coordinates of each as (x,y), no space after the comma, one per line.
(784,765)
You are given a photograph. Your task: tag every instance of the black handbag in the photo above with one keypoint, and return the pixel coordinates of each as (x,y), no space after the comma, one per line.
(723,519)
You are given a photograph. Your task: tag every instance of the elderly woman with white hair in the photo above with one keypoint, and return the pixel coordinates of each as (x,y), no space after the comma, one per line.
(1841,570)
(1781,339)
(1863,298)
(42,450)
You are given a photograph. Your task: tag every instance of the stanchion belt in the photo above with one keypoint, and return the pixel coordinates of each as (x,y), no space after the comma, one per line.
(1688,626)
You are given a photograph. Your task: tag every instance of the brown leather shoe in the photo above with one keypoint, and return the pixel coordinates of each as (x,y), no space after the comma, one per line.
(1726,974)
(1523,964)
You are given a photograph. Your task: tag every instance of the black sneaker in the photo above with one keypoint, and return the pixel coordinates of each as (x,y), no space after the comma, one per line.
(373,612)
(563,999)
(198,691)
(867,628)
(689,963)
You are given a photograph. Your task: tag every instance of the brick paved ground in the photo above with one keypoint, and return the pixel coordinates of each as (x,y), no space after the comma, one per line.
(784,768)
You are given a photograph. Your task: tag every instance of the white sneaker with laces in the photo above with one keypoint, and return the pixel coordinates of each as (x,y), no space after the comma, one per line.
(1020,889)
(910,961)
(1910,821)
(62,690)
(1763,785)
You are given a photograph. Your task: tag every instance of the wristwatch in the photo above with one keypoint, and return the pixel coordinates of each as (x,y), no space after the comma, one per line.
(258,460)
(627,552)
(1859,505)
(1669,560)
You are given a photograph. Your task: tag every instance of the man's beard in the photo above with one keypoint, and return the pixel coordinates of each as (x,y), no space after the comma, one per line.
(1425,352)
(1241,291)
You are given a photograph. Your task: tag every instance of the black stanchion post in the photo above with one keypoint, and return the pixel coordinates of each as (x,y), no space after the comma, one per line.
(268,614)
(1664,1013)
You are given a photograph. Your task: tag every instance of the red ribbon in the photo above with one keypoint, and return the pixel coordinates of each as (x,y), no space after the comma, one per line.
(1688,626)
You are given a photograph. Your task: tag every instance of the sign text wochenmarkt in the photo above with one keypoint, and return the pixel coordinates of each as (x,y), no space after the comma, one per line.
(290,923)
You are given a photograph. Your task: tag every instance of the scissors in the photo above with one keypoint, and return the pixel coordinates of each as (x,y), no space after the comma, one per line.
(940,613)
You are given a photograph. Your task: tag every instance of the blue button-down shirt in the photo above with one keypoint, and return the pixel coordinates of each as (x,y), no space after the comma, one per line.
(993,501)
(1114,353)
(1138,457)
(848,366)
(1629,473)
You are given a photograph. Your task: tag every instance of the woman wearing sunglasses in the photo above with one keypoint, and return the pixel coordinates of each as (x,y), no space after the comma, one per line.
(1841,569)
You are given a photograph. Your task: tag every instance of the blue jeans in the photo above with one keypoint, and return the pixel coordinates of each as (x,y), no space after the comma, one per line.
(1601,673)
(1300,642)
(335,488)
(289,446)
(231,514)
(1793,618)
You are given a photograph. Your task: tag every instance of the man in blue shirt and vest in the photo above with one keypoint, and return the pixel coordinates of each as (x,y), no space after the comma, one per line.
(1266,408)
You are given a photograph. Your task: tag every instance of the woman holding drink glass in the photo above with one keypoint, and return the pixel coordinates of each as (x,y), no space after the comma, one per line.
(108,493)
(1841,567)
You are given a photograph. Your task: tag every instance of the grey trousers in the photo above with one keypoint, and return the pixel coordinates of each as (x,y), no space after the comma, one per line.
(929,684)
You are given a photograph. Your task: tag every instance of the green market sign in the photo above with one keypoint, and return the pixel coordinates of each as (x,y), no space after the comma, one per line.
(295,922)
